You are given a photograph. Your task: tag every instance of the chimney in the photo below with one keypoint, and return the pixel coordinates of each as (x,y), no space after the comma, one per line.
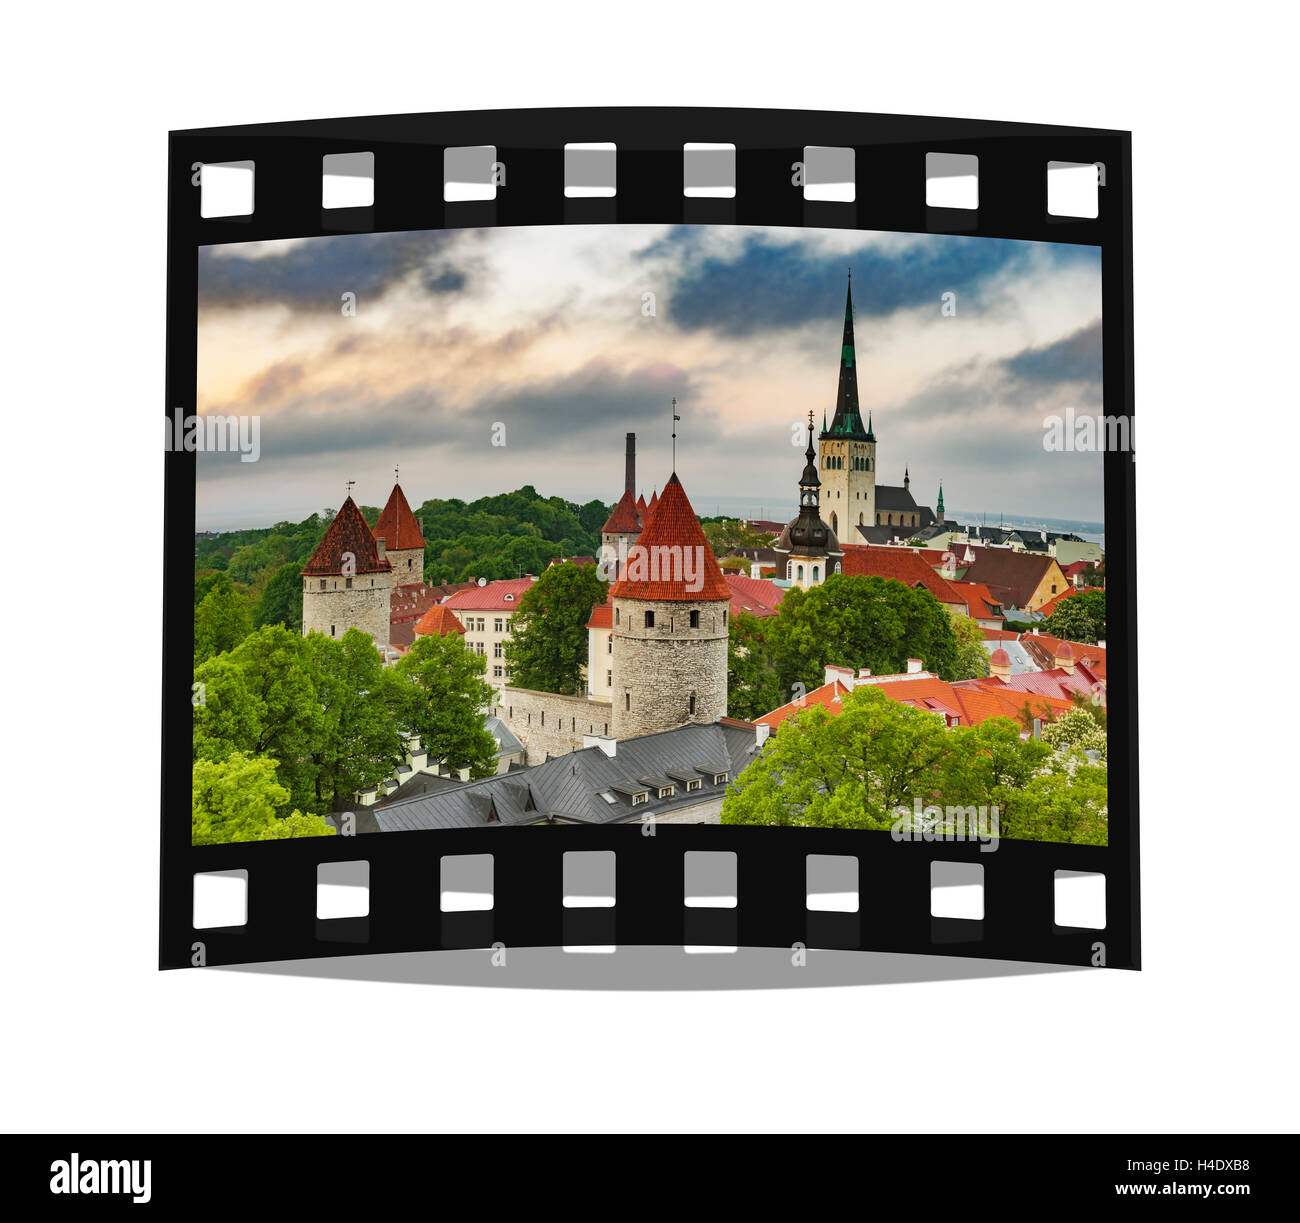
(383,548)
(1101,643)
(1038,728)
(843,674)
(761,732)
(1000,663)
(864,672)
(756,570)
(914,666)
(629,479)
(606,743)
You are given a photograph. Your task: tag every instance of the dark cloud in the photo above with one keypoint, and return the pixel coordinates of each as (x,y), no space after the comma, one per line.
(772,286)
(315,274)
(1075,358)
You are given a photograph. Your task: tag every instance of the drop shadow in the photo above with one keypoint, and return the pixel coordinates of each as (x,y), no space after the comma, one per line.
(650,968)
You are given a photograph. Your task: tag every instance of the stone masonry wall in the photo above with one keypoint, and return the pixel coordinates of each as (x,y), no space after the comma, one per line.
(365,607)
(657,669)
(547,723)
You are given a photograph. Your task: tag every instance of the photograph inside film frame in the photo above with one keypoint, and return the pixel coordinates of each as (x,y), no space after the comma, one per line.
(593,525)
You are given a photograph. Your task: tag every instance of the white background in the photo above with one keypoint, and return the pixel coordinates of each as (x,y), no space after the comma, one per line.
(94,1037)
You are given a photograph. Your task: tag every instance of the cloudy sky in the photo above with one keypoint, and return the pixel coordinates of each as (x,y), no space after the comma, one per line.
(544,331)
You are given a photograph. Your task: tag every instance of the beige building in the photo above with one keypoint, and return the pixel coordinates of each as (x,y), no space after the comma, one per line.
(485,613)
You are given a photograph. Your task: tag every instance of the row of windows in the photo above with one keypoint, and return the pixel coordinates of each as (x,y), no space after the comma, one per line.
(835,462)
(347,583)
(672,621)
(479,624)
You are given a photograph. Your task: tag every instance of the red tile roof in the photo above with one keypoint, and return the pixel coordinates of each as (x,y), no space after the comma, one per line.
(673,526)
(348,534)
(602,615)
(624,519)
(1052,604)
(439,619)
(999,634)
(397,526)
(654,500)
(495,596)
(753,595)
(1042,648)
(641,508)
(901,564)
(409,602)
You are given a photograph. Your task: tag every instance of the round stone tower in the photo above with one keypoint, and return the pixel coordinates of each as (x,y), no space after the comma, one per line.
(671,608)
(403,541)
(348,581)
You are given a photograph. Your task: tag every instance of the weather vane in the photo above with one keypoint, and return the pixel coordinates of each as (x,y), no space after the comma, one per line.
(350,483)
(676,418)
(396,469)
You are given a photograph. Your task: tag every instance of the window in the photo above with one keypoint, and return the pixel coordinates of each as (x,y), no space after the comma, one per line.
(666,792)
(694,784)
(497,622)
(627,700)
(609,645)
(616,615)
(692,704)
(814,576)
(649,619)
(801,573)
(331,630)
(410,563)
(497,650)
(724,619)
(609,679)
(695,619)
(543,717)
(638,799)
(347,583)
(496,672)
(322,583)
(719,778)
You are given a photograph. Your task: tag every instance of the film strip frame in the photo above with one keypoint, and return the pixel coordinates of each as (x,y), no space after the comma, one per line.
(771,908)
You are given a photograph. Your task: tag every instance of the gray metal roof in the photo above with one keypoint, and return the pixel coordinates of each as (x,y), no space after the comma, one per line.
(570,787)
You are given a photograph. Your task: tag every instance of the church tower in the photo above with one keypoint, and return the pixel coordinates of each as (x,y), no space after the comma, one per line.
(347,583)
(847,450)
(810,547)
(402,537)
(670,626)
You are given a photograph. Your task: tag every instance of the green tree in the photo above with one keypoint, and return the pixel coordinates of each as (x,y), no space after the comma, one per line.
(281,601)
(1081,617)
(1076,730)
(548,646)
(220,621)
(858,622)
(439,693)
(873,764)
(358,741)
(237,799)
(752,686)
(971,660)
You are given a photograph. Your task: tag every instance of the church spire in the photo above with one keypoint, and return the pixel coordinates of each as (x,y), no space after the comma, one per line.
(848,416)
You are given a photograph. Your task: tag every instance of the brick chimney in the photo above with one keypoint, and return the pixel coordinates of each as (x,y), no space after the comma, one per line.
(383,548)
(629,479)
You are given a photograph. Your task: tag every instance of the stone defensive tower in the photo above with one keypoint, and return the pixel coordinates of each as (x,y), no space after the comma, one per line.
(348,581)
(846,450)
(670,625)
(623,527)
(403,541)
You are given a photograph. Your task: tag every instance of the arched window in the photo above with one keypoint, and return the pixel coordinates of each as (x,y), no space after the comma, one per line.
(837,567)
(835,522)
(801,573)
(789,569)
(860,519)
(814,576)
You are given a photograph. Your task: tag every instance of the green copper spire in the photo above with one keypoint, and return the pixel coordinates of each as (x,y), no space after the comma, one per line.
(939,503)
(847,421)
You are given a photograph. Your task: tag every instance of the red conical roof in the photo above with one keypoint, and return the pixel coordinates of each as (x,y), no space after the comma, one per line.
(641,509)
(1000,658)
(673,526)
(397,526)
(654,500)
(348,533)
(624,519)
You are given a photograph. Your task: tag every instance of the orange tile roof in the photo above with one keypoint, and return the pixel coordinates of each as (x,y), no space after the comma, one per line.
(980,603)
(397,526)
(901,564)
(1042,649)
(999,634)
(439,619)
(830,695)
(1053,603)
(347,535)
(623,519)
(672,526)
